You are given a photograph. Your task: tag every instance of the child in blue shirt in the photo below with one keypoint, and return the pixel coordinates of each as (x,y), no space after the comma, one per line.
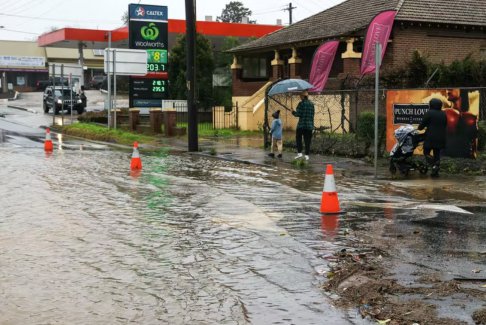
(276,132)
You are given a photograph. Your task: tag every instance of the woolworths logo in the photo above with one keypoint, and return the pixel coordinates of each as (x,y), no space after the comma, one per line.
(150,32)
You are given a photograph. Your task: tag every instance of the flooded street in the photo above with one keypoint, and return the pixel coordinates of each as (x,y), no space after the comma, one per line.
(190,240)
(196,240)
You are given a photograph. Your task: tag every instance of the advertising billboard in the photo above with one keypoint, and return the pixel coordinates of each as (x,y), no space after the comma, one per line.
(462,111)
(148,31)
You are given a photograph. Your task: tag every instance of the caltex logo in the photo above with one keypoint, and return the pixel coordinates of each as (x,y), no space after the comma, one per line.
(140,12)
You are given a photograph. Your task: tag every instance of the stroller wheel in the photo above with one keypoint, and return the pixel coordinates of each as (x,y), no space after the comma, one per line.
(423,169)
(393,168)
(404,171)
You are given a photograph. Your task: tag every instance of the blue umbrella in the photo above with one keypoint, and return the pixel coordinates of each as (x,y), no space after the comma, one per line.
(289,85)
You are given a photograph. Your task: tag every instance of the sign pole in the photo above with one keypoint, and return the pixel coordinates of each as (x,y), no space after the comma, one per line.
(62,94)
(53,93)
(108,58)
(191,72)
(377,90)
(114,88)
(71,92)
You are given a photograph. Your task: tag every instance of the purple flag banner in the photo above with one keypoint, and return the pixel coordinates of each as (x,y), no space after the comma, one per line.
(379,31)
(322,64)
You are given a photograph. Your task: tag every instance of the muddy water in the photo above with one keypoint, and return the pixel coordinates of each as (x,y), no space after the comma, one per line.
(188,241)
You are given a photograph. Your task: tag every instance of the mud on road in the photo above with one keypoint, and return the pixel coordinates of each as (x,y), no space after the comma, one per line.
(370,276)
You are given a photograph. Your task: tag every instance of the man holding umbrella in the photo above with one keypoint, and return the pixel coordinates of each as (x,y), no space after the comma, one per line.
(305,126)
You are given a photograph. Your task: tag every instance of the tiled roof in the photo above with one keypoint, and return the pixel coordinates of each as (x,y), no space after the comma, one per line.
(354,15)
(461,12)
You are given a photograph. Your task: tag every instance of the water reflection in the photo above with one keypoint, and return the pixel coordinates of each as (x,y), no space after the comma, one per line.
(329,226)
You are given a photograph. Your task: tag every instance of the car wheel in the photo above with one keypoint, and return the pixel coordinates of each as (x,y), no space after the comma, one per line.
(57,111)
(80,110)
(44,106)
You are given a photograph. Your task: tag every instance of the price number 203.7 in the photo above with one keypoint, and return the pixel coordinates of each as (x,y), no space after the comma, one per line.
(155,67)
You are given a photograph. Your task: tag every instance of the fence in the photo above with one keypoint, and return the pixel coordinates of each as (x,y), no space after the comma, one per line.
(225,117)
(338,111)
(218,117)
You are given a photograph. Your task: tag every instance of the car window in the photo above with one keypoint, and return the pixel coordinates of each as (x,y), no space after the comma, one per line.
(66,92)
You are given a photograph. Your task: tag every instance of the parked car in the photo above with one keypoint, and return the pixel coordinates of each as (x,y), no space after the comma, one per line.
(42,84)
(96,81)
(55,97)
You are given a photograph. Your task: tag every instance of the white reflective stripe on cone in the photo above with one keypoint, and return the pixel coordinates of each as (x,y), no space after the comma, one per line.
(135,153)
(329,184)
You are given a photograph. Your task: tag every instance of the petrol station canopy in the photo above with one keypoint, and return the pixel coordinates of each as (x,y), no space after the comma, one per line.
(98,39)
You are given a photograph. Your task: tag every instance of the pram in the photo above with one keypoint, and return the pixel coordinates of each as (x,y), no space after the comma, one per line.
(401,155)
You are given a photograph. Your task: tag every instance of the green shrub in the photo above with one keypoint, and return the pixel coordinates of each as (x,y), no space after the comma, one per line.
(346,145)
(94,117)
(481,135)
(365,130)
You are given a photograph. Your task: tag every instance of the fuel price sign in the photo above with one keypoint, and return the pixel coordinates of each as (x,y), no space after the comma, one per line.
(148,30)
(148,92)
(156,61)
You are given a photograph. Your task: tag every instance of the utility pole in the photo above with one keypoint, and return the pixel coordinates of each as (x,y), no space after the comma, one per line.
(191,75)
(290,8)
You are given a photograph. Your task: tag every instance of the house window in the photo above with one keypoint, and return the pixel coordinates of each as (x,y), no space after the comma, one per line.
(255,68)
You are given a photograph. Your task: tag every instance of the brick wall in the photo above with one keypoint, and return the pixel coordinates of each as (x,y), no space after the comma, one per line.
(444,44)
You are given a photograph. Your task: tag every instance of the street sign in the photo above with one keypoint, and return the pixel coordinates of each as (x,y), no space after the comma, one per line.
(75,70)
(127,62)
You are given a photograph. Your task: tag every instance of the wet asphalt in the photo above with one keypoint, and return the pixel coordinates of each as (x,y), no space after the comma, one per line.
(236,235)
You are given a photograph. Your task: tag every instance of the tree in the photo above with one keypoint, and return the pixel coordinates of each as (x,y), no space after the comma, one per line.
(222,93)
(234,13)
(204,70)
(124,18)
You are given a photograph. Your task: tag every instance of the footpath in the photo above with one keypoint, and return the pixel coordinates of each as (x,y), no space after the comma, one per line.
(249,150)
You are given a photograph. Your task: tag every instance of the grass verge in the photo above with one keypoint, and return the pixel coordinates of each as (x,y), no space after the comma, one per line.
(102,133)
(206,130)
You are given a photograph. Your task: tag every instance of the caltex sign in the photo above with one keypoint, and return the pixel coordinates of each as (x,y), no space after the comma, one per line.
(148,31)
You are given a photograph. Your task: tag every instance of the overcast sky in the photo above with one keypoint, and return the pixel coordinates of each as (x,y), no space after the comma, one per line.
(27,19)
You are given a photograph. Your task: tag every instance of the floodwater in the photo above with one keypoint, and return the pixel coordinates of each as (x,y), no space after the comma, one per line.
(189,240)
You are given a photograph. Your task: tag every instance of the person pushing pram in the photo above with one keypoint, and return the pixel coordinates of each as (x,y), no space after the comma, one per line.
(401,155)
(435,123)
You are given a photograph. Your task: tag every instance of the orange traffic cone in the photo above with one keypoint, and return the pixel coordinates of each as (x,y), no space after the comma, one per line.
(48,142)
(136,162)
(329,201)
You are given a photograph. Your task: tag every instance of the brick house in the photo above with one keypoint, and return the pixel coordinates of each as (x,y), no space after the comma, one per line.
(443,30)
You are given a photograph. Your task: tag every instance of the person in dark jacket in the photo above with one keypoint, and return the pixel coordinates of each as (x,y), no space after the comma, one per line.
(435,123)
(83,97)
(305,126)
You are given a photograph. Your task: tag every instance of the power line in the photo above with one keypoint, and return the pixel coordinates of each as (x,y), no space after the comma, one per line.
(20,7)
(18,31)
(50,8)
(54,19)
(266,12)
(317,3)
